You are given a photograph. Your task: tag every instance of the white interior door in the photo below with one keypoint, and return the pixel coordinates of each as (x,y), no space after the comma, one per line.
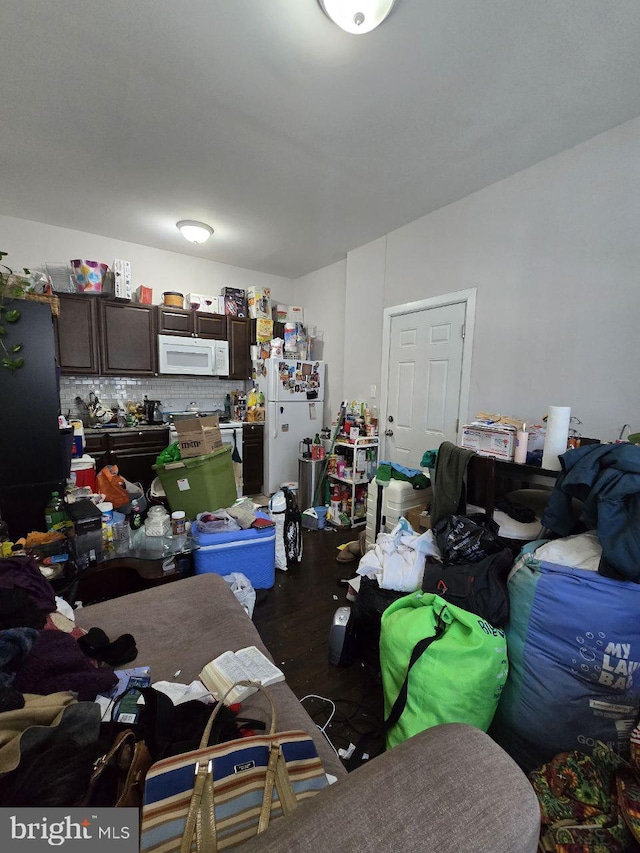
(424,381)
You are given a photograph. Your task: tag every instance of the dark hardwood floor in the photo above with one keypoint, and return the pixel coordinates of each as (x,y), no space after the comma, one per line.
(294,619)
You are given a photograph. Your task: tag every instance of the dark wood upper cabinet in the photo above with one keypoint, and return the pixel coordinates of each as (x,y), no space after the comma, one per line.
(77,335)
(175,321)
(101,337)
(238,335)
(212,326)
(128,339)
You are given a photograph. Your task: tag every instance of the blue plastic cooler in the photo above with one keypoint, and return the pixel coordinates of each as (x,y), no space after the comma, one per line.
(251,552)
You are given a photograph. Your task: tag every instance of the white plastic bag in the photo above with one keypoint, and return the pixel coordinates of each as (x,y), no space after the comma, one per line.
(243,590)
(277,509)
(218,521)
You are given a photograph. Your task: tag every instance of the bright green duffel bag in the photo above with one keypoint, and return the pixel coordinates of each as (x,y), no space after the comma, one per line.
(440,664)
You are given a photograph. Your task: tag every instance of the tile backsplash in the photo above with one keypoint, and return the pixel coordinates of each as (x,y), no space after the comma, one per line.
(175,394)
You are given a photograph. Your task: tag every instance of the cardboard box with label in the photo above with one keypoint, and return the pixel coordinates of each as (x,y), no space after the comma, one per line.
(490,440)
(259,302)
(200,302)
(198,436)
(122,279)
(295,314)
(280,313)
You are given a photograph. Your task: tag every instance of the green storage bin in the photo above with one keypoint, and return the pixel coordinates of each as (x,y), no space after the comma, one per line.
(199,484)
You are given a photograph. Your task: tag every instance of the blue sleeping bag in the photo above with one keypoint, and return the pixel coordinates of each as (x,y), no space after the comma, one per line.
(573,640)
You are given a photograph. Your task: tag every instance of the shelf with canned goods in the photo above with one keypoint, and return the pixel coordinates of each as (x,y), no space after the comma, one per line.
(349,480)
(350,469)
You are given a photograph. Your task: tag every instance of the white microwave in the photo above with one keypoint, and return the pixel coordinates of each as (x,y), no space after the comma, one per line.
(197,356)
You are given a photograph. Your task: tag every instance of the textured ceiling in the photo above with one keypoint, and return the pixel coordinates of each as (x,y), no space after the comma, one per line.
(294,140)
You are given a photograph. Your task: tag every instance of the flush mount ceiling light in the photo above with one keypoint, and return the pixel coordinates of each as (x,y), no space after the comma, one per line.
(357,16)
(193,231)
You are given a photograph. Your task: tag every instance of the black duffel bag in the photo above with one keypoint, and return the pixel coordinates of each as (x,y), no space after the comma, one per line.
(479,587)
(467,538)
(366,616)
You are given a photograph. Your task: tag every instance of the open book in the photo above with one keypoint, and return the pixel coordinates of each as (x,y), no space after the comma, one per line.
(244,665)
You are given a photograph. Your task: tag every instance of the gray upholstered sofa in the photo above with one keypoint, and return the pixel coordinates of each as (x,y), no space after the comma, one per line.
(450,789)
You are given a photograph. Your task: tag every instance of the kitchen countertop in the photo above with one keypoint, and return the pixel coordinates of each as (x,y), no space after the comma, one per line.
(123,430)
(113,429)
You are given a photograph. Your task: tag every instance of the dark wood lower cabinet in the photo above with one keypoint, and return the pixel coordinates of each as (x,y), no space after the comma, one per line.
(252,458)
(133,451)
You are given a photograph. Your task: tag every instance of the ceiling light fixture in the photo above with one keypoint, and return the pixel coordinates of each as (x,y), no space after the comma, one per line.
(357,16)
(193,231)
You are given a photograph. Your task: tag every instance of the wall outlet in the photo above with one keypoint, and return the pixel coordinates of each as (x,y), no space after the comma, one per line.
(374,390)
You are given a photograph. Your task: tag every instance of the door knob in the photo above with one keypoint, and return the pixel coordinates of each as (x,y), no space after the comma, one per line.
(388,432)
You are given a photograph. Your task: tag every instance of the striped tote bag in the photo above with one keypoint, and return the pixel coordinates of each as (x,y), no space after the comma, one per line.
(218,797)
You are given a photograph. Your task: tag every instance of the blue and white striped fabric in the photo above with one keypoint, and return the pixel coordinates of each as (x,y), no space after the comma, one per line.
(239,770)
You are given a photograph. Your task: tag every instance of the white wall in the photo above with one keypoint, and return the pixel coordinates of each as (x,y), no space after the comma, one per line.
(554,252)
(322,294)
(30,244)
(364,304)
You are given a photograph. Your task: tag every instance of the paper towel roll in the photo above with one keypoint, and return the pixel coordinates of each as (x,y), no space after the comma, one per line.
(522,441)
(555,442)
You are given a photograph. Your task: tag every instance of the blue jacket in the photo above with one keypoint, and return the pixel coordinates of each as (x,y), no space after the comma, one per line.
(606,478)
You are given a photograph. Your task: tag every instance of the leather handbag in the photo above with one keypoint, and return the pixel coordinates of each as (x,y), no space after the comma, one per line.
(223,795)
(118,775)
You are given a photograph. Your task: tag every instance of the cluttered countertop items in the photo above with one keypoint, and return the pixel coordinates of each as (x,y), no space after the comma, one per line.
(512,439)
(96,416)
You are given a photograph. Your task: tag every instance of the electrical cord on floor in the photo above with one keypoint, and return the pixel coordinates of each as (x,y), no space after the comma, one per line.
(331,716)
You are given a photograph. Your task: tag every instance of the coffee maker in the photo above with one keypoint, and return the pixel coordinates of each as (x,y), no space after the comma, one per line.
(304,448)
(152,411)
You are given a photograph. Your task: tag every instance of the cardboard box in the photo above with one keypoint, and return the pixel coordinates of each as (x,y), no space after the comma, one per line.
(198,436)
(490,440)
(280,313)
(145,295)
(200,302)
(295,314)
(217,304)
(122,279)
(413,516)
(235,306)
(259,302)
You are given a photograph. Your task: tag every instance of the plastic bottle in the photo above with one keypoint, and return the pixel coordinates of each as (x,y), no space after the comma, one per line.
(54,513)
(179,522)
(373,419)
(135,519)
(315,447)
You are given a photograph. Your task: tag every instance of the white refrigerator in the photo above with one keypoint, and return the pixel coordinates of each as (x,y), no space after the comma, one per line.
(294,401)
